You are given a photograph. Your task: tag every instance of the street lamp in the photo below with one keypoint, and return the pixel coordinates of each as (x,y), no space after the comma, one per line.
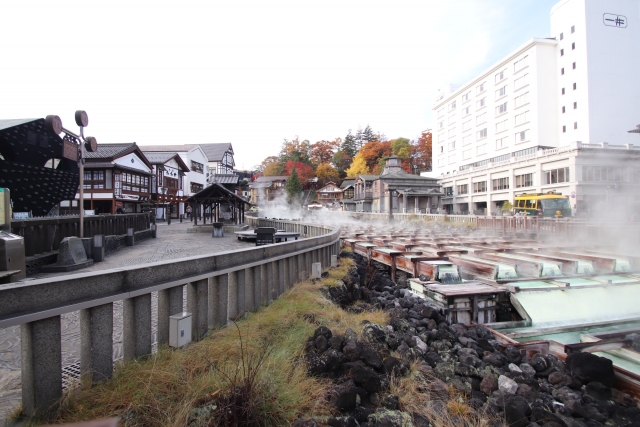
(89,143)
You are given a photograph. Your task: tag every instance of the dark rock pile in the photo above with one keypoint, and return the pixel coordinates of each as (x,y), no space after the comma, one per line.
(495,380)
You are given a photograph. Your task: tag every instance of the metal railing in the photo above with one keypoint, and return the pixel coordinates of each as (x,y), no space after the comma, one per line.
(219,288)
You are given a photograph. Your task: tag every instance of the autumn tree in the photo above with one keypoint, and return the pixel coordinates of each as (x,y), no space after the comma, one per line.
(341,161)
(401,147)
(271,159)
(322,151)
(295,150)
(304,171)
(294,187)
(325,173)
(358,167)
(273,169)
(349,145)
(421,152)
(374,151)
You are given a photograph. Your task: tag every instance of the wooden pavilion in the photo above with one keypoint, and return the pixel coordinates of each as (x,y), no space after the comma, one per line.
(211,199)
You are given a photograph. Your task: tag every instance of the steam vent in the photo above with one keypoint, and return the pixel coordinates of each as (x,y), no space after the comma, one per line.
(33,166)
(554,297)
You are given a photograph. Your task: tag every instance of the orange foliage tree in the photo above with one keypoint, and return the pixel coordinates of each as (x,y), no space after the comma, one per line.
(374,151)
(304,170)
(323,151)
(421,152)
(325,173)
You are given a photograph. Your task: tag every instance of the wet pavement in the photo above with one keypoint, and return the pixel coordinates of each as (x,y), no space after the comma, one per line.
(173,242)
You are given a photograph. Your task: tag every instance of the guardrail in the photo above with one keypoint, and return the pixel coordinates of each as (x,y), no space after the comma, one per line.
(219,288)
(43,235)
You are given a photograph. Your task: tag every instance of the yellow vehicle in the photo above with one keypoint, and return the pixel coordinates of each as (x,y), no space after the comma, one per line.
(549,204)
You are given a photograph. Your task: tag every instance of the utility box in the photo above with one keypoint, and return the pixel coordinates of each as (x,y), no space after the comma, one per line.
(180,329)
(12,255)
(316,270)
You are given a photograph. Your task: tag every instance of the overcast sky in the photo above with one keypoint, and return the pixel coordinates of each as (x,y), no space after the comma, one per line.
(250,72)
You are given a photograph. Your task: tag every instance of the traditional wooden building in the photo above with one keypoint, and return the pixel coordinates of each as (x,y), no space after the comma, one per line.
(167,183)
(330,195)
(266,189)
(117,178)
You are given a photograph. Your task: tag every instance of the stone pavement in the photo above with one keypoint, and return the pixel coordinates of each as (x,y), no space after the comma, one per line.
(173,242)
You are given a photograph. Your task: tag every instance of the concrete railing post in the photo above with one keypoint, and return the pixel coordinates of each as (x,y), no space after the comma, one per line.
(232,296)
(96,343)
(41,365)
(217,301)
(264,285)
(280,284)
(286,274)
(136,325)
(272,275)
(198,306)
(170,302)
(302,272)
(130,240)
(293,271)
(241,295)
(249,289)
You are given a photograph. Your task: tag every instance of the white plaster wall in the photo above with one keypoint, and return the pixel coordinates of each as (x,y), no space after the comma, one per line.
(132,161)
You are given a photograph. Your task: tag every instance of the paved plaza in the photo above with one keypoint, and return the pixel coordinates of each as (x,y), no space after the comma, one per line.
(173,242)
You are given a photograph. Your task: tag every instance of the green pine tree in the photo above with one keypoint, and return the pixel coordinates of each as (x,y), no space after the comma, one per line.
(294,187)
(368,135)
(349,145)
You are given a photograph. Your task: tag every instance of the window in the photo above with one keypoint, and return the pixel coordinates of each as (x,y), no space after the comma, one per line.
(521,100)
(448,191)
(556,176)
(480,88)
(562,71)
(481,134)
(441,112)
(564,129)
(501,92)
(451,146)
(452,106)
(525,152)
(604,173)
(573,29)
(501,109)
(522,118)
(442,148)
(500,184)
(563,91)
(520,64)
(563,109)
(500,76)
(466,111)
(561,52)
(452,119)
(502,142)
(466,154)
(195,187)
(466,96)
(521,82)
(197,167)
(440,162)
(575,125)
(525,180)
(573,46)
(451,132)
(574,65)
(575,105)
(481,103)
(575,86)
(466,125)
(501,126)
(522,136)
(452,159)
(561,36)
(441,124)
(482,118)
(502,158)
(481,149)
(480,187)
(466,140)
(463,189)
(441,137)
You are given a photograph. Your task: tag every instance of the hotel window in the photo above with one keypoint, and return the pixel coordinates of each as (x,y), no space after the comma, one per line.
(501,109)
(481,134)
(466,111)
(564,129)
(500,76)
(441,124)
(481,103)
(522,81)
(521,100)
(561,52)
(522,118)
(575,125)
(502,142)
(452,132)
(501,126)
(197,167)
(556,176)
(480,187)
(561,36)
(562,71)
(481,149)
(448,191)
(441,137)
(452,159)
(522,136)
(573,29)
(451,145)
(605,173)
(440,162)
(452,106)
(465,97)
(563,109)
(500,184)
(466,125)
(574,65)
(480,88)
(466,140)
(573,46)
(466,154)
(575,105)
(441,112)
(463,189)
(501,92)
(520,64)
(442,148)
(452,119)
(563,91)
(525,180)
(575,86)
(482,118)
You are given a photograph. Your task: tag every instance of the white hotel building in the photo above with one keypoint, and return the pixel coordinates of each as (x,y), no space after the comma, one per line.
(552,115)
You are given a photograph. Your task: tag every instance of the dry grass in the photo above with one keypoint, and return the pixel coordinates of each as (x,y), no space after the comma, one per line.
(163,389)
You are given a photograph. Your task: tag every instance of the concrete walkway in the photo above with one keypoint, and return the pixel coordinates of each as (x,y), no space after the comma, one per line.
(172,242)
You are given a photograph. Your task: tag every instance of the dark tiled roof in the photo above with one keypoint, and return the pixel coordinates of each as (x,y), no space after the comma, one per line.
(9,123)
(347,182)
(159,157)
(110,151)
(369,177)
(260,185)
(271,178)
(215,152)
(175,148)
(225,178)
